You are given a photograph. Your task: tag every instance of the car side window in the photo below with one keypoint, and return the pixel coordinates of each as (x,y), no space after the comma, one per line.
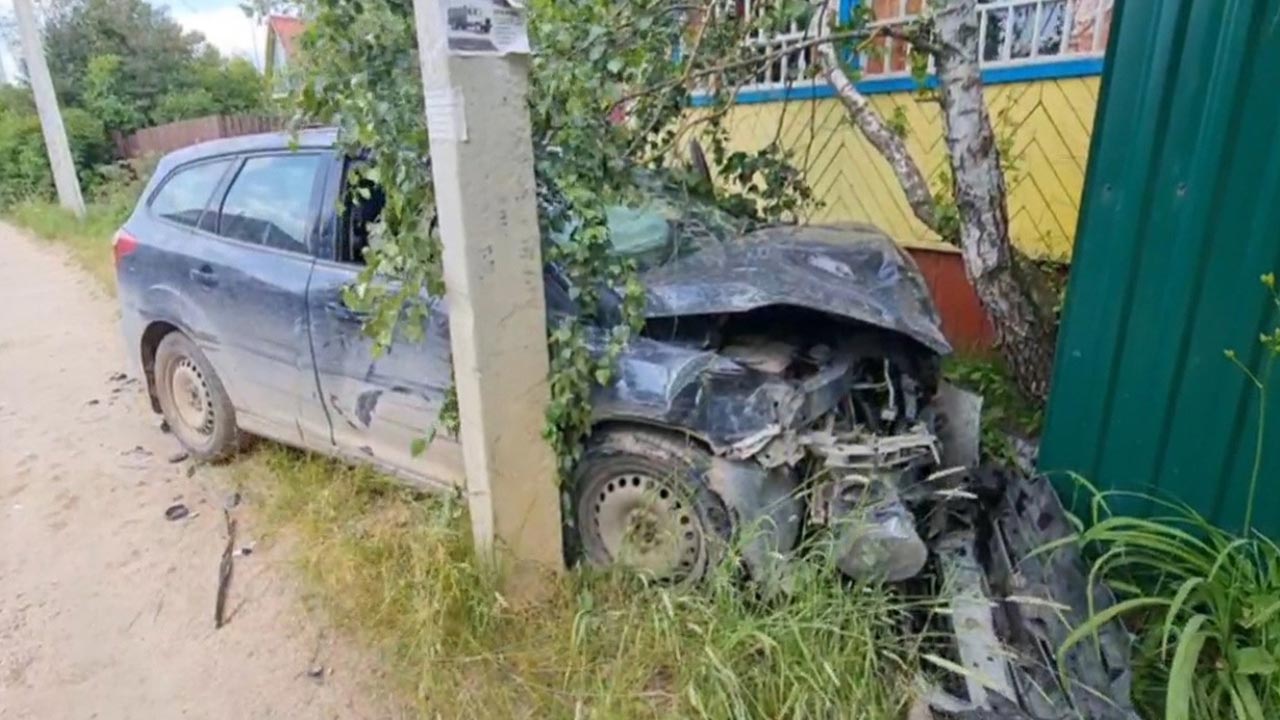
(269,202)
(362,205)
(184,196)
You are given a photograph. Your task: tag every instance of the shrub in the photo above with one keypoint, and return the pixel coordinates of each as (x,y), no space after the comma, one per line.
(24,162)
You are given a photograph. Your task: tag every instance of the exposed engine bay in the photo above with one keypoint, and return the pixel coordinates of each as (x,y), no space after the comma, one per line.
(840,416)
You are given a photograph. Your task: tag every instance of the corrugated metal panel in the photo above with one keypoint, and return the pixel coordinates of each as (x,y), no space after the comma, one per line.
(1181,214)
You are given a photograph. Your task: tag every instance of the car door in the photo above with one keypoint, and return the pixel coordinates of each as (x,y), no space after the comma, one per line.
(171,253)
(253,281)
(378,404)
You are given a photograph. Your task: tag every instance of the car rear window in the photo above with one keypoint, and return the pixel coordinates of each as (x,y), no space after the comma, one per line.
(186,193)
(269,202)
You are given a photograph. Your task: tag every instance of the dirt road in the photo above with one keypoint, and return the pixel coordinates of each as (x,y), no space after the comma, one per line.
(106,608)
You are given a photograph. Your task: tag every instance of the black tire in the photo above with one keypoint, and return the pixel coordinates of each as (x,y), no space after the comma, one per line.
(206,424)
(645,492)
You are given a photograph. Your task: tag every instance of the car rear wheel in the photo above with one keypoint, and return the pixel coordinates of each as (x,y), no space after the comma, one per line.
(641,500)
(193,401)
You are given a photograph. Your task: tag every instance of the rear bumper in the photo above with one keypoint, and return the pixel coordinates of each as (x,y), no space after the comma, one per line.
(132,325)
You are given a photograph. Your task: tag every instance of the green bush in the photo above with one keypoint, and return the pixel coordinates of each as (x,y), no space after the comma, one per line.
(24,163)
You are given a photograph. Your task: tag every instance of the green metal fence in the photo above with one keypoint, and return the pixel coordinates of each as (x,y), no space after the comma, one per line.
(1180,217)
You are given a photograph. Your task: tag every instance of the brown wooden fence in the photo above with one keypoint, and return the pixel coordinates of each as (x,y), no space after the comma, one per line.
(166,138)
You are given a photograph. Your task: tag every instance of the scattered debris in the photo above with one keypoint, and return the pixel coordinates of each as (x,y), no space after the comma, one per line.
(164,426)
(118,377)
(1011,607)
(232,501)
(316,672)
(137,451)
(225,568)
(176,511)
(92,402)
(247,550)
(178,457)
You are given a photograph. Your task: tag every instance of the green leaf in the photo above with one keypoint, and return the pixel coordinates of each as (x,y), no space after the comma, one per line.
(1249,705)
(418,446)
(1262,616)
(1096,621)
(1182,672)
(1253,661)
(1175,608)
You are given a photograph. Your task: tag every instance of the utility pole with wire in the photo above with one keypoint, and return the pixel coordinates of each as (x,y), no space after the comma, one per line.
(482,165)
(55,135)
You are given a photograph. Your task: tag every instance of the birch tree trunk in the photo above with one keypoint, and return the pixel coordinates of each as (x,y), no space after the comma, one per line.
(1025,331)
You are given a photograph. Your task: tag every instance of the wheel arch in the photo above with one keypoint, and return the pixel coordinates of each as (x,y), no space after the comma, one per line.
(155,332)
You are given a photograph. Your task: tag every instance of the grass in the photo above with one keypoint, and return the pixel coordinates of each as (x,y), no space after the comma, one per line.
(395,570)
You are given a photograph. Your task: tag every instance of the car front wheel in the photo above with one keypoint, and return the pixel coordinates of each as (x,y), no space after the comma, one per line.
(193,401)
(641,501)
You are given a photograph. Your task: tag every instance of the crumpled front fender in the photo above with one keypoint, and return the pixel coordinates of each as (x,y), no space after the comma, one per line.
(709,396)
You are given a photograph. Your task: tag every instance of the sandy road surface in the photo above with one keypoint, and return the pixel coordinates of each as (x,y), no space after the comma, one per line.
(105,607)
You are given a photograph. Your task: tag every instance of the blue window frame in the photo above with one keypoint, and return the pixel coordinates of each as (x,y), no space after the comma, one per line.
(1022,40)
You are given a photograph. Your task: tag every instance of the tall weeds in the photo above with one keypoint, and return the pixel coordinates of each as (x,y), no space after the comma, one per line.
(396,569)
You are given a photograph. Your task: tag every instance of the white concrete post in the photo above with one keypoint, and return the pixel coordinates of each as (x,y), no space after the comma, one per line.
(482,165)
(55,135)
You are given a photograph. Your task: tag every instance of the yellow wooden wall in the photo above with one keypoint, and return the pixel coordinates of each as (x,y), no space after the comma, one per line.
(1050,122)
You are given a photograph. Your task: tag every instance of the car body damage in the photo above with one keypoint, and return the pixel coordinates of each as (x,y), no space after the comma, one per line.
(855,272)
(806,361)
(787,350)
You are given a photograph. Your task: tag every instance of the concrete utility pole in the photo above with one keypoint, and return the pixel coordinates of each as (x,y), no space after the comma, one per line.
(482,164)
(55,135)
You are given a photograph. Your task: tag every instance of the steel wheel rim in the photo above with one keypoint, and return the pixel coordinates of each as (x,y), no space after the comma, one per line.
(192,400)
(641,521)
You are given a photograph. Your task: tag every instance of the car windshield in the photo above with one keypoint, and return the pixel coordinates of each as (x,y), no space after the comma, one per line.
(660,230)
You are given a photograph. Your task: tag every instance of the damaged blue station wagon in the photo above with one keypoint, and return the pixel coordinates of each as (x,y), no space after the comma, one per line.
(763,349)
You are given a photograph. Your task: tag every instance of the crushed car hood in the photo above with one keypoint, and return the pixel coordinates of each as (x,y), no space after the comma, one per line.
(853,271)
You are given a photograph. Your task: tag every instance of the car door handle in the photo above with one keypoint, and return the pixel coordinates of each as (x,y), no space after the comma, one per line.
(204,275)
(339,310)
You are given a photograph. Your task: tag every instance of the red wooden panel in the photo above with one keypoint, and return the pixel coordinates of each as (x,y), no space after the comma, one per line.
(964,322)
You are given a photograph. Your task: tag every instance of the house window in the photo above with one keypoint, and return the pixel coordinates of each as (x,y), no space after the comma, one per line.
(1011,32)
(785,68)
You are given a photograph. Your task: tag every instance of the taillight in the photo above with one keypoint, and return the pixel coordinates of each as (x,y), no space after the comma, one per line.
(123,244)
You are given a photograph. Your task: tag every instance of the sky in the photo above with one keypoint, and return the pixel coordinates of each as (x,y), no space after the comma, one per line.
(222,23)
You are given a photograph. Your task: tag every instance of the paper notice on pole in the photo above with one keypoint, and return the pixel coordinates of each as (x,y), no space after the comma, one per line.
(446,119)
(485,27)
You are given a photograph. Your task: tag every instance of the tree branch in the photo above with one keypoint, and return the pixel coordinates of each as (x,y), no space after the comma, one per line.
(918,39)
(764,59)
(892,147)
